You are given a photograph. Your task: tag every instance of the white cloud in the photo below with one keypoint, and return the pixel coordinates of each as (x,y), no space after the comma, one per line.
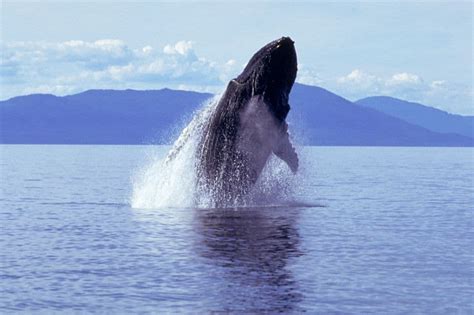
(357,76)
(230,63)
(76,65)
(182,48)
(93,55)
(359,83)
(358,80)
(404,78)
(444,95)
(147,50)
(308,76)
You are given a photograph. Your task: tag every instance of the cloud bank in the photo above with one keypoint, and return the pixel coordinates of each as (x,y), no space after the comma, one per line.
(357,84)
(448,96)
(73,66)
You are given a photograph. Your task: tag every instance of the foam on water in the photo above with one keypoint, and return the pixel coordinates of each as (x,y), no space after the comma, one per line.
(172,181)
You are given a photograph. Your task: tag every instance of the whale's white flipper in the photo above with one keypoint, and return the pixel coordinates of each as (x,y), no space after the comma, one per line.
(285,150)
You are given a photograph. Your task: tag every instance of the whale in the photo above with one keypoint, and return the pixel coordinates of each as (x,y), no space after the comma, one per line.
(248,125)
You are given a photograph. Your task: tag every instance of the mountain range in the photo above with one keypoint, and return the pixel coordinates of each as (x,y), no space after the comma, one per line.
(421,115)
(317,117)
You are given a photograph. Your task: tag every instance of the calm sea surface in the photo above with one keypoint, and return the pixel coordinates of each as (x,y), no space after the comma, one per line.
(379,230)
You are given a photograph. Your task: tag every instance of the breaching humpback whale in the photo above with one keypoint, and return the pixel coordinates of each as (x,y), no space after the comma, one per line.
(248,125)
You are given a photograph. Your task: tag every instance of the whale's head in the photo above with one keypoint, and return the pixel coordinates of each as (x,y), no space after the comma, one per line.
(271,73)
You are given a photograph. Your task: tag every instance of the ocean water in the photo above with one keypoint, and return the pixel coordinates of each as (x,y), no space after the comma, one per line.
(364,230)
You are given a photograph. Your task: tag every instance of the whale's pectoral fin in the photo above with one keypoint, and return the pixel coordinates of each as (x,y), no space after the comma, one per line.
(285,150)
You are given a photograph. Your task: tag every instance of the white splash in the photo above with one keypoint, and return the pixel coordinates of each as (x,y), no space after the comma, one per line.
(171,182)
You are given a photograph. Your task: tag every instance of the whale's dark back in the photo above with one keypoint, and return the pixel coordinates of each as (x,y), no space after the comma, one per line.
(225,169)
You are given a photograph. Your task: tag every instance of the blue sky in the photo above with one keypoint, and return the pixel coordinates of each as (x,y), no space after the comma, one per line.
(420,51)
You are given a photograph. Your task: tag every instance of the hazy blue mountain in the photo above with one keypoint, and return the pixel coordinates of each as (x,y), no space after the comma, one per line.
(97,116)
(318,117)
(418,114)
(324,118)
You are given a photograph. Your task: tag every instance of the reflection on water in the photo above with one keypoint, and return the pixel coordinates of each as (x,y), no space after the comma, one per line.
(395,237)
(251,249)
